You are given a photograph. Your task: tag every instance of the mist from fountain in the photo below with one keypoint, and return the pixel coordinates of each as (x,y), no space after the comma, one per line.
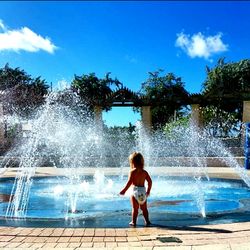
(67,138)
(54,135)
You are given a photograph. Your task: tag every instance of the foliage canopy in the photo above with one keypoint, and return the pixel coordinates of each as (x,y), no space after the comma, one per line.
(167,95)
(94,90)
(20,92)
(225,88)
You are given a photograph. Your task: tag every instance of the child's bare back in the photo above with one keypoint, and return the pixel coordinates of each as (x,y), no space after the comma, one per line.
(139,176)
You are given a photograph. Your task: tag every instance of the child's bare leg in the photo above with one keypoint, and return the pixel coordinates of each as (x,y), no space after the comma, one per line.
(135,207)
(145,212)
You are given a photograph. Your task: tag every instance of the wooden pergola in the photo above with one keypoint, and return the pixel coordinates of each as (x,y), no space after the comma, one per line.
(125,97)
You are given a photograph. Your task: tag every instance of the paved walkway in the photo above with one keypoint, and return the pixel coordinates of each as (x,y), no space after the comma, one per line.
(234,236)
(215,237)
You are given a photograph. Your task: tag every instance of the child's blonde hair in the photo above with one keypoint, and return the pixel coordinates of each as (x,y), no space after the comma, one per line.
(136,160)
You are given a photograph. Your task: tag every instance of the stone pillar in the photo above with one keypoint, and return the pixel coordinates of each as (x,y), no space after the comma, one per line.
(2,129)
(245,119)
(146,118)
(246,111)
(196,115)
(98,117)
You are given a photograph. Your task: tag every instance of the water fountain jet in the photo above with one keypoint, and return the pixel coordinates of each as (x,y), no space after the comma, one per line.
(72,144)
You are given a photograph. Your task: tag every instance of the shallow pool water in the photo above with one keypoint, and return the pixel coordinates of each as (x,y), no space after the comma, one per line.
(95,201)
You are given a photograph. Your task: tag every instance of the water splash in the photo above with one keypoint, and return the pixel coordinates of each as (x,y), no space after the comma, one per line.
(64,135)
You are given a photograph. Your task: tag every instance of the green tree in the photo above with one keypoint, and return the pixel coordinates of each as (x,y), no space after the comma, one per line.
(182,122)
(220,123)
(166,95)
(20,92)
(93,90)
(225,88)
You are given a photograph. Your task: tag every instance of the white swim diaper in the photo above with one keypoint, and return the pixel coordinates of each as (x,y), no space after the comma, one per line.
(140,194)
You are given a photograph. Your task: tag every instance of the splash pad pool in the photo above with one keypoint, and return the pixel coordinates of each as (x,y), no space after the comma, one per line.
(175,201)
(71,142)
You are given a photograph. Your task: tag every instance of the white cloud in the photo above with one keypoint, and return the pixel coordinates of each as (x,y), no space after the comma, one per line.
(200,46)
(24,39)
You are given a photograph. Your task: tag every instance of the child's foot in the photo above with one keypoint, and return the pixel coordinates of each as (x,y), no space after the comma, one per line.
(132,224)
(147,224)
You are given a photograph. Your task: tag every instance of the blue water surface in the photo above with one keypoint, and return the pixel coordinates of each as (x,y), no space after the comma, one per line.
(56,201)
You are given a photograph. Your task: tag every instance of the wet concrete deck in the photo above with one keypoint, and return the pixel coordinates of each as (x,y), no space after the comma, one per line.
(219,172)
(234,236)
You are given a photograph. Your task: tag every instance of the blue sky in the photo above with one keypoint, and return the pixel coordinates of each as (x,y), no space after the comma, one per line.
(56,40)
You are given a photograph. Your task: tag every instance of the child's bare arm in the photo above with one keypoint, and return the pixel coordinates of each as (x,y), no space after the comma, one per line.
(149,180)
(124,190)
